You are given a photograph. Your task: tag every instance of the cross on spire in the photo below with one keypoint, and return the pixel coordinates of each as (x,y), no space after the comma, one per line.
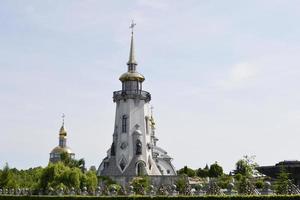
(132,25)
(63,118)
(131,62)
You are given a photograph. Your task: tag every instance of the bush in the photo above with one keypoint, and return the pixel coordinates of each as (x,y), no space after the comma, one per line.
(273,197)
(246,187)
(140,184)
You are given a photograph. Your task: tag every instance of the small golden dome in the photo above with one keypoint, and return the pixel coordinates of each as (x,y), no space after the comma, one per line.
(62,131)
(152,121)
(132,76)
(60,150)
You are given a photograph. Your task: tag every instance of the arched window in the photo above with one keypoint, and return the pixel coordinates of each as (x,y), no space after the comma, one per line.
(141,171)
(124,124)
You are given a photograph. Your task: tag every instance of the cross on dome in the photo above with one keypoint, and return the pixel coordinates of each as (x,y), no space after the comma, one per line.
(63,118)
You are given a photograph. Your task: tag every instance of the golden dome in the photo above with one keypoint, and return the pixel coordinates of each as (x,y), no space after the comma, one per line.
(132,76)
(60,150)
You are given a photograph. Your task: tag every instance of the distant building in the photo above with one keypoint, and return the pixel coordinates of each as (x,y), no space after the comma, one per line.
(134,150)
(62,146)
(290,166)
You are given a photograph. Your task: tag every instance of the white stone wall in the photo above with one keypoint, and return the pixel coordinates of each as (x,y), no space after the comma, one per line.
(137,111)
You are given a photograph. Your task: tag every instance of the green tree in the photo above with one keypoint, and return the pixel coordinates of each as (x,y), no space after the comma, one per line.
(187,171)
(282,183)
(28,178)
(70,162)
(91,180)
(224,180)
(246,166)
(66,159)
(215,170)
(182,184)
(71,177)
(57,175)
(203,172)
(67,173)
(7,179)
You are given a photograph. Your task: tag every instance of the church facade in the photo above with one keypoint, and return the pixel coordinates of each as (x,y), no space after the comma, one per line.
(134,150)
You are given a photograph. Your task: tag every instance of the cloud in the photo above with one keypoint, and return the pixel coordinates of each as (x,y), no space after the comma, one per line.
(242,72)
(239,76)
(155,4)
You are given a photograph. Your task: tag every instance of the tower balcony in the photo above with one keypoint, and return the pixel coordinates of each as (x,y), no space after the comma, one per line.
(131,94)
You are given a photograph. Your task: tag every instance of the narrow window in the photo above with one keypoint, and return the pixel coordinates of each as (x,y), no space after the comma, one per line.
(138,147)
(124,124)
(147,125)
(149,162)
(113,149)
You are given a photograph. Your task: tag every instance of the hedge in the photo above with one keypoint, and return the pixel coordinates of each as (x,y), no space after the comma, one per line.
(270,197)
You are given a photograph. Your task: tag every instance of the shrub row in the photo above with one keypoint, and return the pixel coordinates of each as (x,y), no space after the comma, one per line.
(271,197)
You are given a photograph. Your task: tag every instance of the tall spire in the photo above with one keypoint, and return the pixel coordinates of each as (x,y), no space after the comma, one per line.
(132,74)
(131,62)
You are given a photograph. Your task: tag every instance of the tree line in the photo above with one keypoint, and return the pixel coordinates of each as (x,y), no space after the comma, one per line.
(245,177)
(70,173)
(66,174)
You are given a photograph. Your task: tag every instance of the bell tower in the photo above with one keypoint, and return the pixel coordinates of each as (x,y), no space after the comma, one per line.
(132,152)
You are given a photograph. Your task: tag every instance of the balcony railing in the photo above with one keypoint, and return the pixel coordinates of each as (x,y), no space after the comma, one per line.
(131,94)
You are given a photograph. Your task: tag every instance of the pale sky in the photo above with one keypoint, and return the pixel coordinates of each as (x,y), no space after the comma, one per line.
(224,77)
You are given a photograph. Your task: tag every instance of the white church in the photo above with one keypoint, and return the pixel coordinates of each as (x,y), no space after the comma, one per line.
(134,150)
